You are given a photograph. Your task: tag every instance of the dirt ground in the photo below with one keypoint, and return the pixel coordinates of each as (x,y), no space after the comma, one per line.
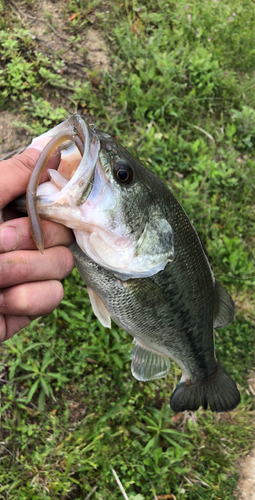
(246,484)
(94,52)
(47,26)
(11,137)
(246,465)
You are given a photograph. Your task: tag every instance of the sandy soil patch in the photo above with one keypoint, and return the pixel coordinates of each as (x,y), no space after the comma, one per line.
(11,137)
(47,24)
(246,484)
(246,465)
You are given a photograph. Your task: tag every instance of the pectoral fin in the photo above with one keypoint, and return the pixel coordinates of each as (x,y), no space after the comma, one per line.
(226,311)
(99,309)
(148,364)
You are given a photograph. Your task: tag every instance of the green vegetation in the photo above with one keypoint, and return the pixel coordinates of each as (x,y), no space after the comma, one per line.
(179,93)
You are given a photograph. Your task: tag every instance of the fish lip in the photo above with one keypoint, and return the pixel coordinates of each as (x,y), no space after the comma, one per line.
(80,181)
(78,187)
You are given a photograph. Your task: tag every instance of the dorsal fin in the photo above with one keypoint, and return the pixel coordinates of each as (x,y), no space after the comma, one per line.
(148,364)
(99,309)
(226,311)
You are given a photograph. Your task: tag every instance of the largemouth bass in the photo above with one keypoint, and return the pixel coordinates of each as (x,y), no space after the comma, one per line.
(141,259)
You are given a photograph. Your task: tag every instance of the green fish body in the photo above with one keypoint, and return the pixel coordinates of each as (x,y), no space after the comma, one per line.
(146,268)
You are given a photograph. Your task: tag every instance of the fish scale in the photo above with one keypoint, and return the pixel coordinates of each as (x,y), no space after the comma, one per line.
(144,265)
(165,322)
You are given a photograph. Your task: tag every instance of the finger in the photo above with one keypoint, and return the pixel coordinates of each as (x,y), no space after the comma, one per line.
(9,325)
(15,173)
(32,299)
(24,266)
(16,235)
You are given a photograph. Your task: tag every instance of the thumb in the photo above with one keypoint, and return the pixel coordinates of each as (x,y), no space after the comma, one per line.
(15,172)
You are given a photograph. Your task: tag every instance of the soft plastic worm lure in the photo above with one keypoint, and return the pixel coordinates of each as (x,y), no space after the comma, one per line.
(74,129)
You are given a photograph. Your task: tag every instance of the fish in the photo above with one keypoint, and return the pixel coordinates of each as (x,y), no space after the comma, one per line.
(141,258)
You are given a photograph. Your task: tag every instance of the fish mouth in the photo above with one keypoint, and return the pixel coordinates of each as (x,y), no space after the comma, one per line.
(68,189)
(90,202)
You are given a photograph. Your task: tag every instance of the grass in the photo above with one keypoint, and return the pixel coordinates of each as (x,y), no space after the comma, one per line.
(179,93)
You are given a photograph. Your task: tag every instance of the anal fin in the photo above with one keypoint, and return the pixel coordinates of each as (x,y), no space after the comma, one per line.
(99,309)
(148,364)
(226,311)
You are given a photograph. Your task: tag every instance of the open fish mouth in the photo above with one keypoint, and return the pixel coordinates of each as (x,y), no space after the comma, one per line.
(92,200)
(63,192)
(127,225)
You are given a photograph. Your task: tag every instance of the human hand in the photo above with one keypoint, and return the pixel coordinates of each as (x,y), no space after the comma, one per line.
(29,281)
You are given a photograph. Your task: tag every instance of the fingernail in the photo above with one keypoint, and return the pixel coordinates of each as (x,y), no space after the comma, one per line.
(36,145)
(8,238)
(1,300)
(39,143)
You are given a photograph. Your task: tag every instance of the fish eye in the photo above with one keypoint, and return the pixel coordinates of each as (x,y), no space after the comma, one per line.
(123,172)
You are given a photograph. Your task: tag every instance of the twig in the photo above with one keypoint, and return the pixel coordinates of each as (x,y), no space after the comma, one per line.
(167,497)
(203,180)
(251,389)
(30,404)
(201,481)
(155,494)
(91,493)
(202,130)
(120,485)
(75,103)
(50,47)
(12,153)
(6,449)
(16,7)
(67,63)
(62,37)
(55,31)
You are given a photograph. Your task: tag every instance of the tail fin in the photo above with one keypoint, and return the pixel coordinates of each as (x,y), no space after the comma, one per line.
(219,391)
